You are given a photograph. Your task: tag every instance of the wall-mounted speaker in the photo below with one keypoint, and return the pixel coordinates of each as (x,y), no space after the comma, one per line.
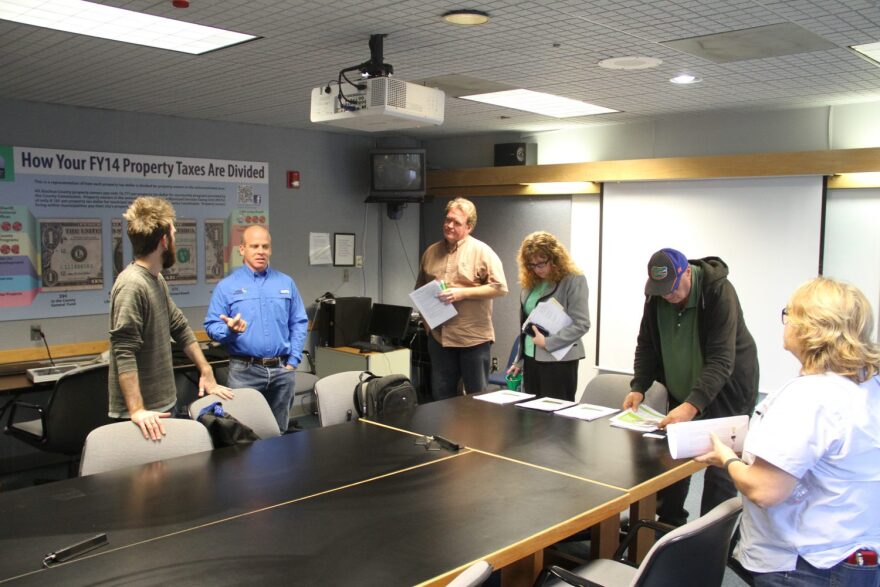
(516,154)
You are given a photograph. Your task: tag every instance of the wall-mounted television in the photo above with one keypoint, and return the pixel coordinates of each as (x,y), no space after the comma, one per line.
(397,175)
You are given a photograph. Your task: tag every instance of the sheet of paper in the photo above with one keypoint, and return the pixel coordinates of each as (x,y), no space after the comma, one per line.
(691,439)
(504,396)
(319,248)
(546,404)
(433,311)
(587,412)
(551,316)
(645,419)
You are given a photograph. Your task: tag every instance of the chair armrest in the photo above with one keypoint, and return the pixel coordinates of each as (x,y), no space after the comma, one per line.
(568,577)
(633,532)
(10,423)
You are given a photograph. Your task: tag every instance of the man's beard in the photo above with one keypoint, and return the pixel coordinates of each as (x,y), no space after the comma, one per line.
(169,256)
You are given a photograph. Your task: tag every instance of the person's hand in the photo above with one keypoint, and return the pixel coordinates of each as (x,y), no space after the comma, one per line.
(514,370)
(290,367)
(632,400)
(538,337)
(150,423)
(452,294)
(719,454)
(207,384)
(683,413)
(236,324)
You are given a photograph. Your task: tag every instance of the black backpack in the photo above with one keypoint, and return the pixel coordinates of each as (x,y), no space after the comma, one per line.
(375,396)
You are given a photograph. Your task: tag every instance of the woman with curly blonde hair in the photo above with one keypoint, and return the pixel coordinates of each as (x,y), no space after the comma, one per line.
(809,473)
(546,271)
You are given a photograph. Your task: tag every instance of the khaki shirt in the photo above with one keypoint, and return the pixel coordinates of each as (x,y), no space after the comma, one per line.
(469,264)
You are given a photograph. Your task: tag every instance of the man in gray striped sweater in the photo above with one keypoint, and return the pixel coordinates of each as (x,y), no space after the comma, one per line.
(143,320)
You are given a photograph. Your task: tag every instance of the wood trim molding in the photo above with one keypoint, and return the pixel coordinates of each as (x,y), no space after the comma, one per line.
(65,351)
(442,182)
(589,188)
(854,181)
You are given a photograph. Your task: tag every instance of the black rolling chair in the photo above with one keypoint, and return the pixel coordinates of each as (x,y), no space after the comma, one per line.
(693,555)
(77,406)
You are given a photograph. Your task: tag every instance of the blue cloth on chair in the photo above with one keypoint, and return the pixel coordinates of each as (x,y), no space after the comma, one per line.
(216,409)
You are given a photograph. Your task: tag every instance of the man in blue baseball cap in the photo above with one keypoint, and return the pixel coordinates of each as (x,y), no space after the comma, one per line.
(694,340)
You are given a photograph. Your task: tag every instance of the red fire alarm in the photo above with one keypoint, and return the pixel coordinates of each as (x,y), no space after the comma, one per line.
(293,179)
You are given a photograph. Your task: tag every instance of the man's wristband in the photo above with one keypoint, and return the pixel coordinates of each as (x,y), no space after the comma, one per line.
(732,460)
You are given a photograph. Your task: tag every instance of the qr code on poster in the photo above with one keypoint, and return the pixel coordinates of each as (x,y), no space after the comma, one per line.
(246,196)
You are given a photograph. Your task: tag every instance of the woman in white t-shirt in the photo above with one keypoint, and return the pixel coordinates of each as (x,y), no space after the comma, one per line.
(810,472)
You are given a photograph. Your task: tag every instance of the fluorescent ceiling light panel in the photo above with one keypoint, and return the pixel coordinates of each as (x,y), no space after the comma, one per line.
(116,24)
(539,103)
(869,50)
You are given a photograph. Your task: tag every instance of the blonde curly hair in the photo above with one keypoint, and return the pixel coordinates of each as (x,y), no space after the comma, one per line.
(544,245)
(831,324)
(149,219)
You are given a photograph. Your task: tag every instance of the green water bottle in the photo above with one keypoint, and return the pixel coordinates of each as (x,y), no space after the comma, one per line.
(514,382)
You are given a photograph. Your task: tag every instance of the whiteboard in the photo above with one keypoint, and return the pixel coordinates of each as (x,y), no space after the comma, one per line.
(852,241)
(767,230)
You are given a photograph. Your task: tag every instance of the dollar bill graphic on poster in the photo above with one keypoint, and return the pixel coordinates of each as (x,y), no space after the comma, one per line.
(116,246)
(184,271)
(71,254)
(215,258)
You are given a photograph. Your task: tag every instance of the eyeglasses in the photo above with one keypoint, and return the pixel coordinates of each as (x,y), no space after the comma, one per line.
(784,315)
(540,265)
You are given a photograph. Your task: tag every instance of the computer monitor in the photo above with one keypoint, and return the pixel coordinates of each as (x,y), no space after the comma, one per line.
(342,321)
(390,322)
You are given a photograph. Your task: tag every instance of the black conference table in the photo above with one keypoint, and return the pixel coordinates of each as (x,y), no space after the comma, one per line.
(355,503)
(595,451)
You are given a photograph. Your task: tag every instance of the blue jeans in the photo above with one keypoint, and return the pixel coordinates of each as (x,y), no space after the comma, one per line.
(275,383)
(451,364)
(805,575)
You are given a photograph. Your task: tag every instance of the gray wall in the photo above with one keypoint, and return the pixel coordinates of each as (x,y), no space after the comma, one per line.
(334,184)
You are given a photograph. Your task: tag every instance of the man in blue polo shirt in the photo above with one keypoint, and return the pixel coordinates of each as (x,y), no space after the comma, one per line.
(258,315)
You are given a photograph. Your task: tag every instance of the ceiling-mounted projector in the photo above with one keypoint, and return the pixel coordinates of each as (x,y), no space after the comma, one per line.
(376,102)
(384,103)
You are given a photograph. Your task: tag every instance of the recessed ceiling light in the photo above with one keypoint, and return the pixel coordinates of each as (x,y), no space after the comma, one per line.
(466,17)
(539,103)
(634,62)
(868,50)
(685,79)
(116,24)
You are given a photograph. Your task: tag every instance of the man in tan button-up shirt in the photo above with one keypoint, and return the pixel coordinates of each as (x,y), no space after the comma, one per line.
(472,275)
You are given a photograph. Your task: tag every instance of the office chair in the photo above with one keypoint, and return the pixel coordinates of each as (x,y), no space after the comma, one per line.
(499,377)
(78,404)
(304,382)
(693,555)
(610,389)
(473,576)
(335,394)
(122,444)
(249,407)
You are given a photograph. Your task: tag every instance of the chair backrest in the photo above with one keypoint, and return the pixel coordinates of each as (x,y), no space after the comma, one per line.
(249,407)
(692,555)
(122,444)
(610,389)
(335,394)
(78,405)
(473,576)
(500,377)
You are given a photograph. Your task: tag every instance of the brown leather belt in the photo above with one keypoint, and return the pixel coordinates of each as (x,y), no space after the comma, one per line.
(271,362)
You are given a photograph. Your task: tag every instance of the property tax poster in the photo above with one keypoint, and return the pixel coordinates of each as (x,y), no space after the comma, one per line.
(63,239)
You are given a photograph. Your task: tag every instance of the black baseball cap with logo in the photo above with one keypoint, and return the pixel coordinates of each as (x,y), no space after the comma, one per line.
(664,272)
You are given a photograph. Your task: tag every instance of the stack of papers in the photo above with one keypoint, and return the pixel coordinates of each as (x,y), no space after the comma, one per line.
(433,311)
(691,439)
(546,404)
(646,419)
(550,316)
(504,396)
(587,412)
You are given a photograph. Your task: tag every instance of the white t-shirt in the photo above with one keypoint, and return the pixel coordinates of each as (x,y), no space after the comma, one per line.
(824,430)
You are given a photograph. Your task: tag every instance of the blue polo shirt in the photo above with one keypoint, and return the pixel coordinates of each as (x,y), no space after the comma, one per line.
(272,307)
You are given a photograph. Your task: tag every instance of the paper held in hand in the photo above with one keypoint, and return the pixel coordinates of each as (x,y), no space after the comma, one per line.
(550,316)
(645,419)
(433,311)
(691,439)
